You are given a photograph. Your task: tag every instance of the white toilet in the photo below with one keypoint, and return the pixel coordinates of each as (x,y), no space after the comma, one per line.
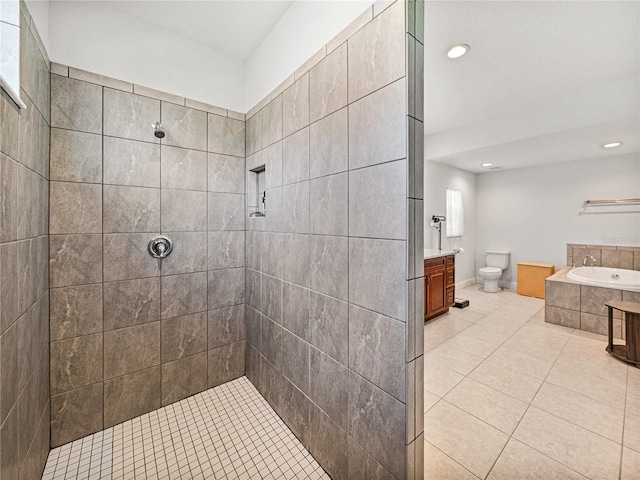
(496,261)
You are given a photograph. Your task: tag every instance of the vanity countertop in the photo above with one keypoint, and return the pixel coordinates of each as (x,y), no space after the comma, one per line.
(431,253)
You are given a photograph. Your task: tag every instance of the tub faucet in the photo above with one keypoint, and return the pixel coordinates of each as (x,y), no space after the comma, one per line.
(589,257)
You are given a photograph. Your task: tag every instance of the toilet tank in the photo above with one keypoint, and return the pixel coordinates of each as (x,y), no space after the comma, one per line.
(497,258)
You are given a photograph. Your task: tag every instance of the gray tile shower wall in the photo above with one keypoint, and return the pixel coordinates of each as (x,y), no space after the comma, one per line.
(24,279)
(129,336)
(334,292)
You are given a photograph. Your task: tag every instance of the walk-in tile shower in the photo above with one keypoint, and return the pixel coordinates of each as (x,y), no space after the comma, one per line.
(318,300)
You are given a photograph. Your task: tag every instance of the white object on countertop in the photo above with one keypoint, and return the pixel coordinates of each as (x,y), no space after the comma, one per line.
(433,253)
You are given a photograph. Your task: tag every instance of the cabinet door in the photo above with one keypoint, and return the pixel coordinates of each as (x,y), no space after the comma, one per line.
(436,295)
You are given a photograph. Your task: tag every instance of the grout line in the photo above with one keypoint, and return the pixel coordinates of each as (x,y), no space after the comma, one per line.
(102,332)
(624,420)
(530,403)
(452,459)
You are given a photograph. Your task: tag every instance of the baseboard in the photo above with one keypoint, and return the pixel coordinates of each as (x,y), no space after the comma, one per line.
(466,283)
(507,285)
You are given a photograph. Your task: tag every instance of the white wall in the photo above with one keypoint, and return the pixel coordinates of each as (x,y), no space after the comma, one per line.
(304,28)
(39,10)
(102,40)
(535,212)
(437,178)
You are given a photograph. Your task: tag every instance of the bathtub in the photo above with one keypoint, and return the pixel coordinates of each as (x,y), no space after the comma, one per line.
(618,278)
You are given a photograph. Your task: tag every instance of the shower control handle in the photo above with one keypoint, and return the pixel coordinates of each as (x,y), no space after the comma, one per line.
(160,246)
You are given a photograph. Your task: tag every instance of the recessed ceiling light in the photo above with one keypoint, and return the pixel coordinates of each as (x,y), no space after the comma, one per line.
(458,51)
(488,164)
(612,145)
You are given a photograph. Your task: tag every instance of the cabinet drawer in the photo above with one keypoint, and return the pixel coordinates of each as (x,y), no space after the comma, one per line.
(451,275)
(434,262)
(451,294)
(451,260)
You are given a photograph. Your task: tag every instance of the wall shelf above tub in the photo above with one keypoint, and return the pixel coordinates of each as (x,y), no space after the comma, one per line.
(623,201)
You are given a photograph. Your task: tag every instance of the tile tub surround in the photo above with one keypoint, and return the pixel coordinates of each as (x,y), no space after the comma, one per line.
(615,256)
(583,307)
(24,280)
(334,301)
(127,336)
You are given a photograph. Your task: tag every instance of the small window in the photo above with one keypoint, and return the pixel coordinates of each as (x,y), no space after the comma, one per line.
(455,213)
(10,49)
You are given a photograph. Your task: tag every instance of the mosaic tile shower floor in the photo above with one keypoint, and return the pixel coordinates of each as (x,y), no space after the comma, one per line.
(227,432)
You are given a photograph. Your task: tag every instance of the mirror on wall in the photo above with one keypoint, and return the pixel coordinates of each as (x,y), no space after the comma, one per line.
(455,213)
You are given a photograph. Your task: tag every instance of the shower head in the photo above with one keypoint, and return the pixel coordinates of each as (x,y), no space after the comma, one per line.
(158,129)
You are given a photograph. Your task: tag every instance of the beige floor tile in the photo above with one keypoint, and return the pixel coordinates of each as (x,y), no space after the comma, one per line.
(609,391)
(598,417)
(434,341)
(537,342)
(579,449)
(506,380)
(586,392)
(503,324)
(634,376)
(521,361)
(606,367)
(439,380)
(633,391)
(430,400)
(518,461)
(470,344)
(546,335)
(538,321)
(587,340)
(446,324)
(539,316)
(632,432)
(494,335)
(465,314)
(508,317)
(482,308)
(591,357)
(525,309)
(452,358)
(591,336)
(438,466)
(491,406)
(438,330)
(633,403)
(630,465)
(470,442)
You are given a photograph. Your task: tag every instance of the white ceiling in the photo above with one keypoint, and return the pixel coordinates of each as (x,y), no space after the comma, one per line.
(543,82)
(235,27)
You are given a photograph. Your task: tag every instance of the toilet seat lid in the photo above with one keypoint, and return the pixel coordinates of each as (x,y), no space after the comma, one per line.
(491,270)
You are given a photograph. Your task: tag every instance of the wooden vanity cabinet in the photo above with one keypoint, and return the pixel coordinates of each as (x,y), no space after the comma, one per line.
(439,285)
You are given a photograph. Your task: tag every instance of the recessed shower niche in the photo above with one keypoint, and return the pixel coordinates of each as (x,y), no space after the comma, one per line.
(257,194)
